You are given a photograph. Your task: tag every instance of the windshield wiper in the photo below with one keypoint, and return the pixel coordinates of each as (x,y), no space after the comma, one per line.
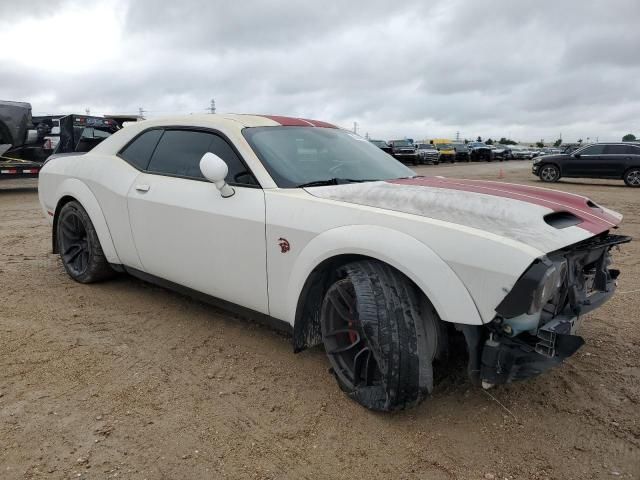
(334,181)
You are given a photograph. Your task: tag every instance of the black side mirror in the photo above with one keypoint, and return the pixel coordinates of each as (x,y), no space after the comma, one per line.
(576,155)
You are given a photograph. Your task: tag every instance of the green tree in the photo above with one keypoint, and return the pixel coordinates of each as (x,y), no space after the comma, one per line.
(479,139)
(540,144)
(489,141)
(629,137)
(507,141)
(557,143)
(579,140)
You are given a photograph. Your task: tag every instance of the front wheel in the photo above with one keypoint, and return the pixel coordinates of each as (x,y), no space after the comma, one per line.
(79,247)
(549,173)
(632,177)
(381,336)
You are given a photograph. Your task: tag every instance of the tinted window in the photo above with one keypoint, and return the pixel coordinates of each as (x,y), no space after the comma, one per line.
(592,150)
(616,150)
(633,150)
(238,173)
(179,153)
(138,152)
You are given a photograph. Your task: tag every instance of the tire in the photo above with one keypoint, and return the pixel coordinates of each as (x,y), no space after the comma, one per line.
(381,336)
(549,173)
(79,247)
(632,177)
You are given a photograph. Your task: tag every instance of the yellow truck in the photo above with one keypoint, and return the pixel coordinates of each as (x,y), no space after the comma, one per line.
(446,149)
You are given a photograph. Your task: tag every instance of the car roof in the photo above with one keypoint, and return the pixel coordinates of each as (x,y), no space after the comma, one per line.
(242,120)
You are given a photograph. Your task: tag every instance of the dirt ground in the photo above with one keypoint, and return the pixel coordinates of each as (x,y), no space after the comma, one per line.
(127,380)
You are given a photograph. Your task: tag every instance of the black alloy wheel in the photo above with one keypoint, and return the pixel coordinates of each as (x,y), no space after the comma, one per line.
(350,356)
(79,247)
(74,244)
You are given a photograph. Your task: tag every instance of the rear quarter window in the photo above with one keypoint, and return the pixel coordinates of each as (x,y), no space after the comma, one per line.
(139,151)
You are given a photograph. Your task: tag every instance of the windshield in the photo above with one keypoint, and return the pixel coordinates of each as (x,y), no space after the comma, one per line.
(477,144)
(402,143)
(445,146)
(426,146)
(379,143)
(296,156)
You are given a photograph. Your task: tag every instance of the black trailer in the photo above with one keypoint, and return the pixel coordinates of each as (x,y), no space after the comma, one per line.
(11,168)
(26,142)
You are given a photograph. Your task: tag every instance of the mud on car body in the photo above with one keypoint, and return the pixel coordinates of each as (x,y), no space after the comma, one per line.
(359,254)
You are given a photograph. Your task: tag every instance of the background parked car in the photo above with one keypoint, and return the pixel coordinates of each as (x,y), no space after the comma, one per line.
(480,152)
(462,152)
(502,152)
(521,153)
(447,152)
(599,160)
(382,145)
(405,151)
(428,153)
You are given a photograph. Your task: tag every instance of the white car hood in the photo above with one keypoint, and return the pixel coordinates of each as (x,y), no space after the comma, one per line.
(513,211)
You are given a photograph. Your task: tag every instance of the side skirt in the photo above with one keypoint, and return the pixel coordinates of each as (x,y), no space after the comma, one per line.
(246,313)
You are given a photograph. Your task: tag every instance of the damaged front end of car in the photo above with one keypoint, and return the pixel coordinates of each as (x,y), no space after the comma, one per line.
(536,323)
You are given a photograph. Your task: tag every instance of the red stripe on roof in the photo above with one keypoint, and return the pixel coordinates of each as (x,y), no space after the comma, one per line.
(594,220)
(320,123)
(297,122)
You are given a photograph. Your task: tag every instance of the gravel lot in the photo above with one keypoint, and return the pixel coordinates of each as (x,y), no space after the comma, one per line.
(127,380)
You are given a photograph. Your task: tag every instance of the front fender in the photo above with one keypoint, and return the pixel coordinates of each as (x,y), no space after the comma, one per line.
(417,261)
(72,187)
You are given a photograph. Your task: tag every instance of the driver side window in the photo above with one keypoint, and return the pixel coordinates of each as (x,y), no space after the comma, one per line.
(178,154)
(593,150)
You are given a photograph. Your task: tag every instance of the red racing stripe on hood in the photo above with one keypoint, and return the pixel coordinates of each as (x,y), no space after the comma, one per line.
(594,219)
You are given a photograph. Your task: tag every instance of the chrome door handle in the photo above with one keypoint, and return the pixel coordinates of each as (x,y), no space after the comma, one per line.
(143,188)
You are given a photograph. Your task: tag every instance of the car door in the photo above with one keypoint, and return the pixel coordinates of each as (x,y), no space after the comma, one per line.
(617,157)
(587,162)
(186,232)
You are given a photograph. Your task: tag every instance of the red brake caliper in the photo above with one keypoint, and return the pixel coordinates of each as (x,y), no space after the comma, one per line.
(353,336)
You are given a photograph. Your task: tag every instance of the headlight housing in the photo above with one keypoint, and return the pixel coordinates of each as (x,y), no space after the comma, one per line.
(537,286)
(548,286)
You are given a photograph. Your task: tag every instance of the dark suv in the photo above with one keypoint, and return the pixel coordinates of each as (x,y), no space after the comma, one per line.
(405,151)
(599,160)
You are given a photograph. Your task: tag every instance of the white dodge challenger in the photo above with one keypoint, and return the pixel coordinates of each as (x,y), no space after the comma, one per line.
(313,229)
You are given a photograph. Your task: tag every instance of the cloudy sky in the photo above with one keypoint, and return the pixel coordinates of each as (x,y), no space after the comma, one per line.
(419,69)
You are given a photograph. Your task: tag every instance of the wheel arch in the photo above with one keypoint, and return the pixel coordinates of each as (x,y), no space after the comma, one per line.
(320,259)
(75,190)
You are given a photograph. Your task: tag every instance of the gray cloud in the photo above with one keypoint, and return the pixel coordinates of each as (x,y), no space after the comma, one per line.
(489,68)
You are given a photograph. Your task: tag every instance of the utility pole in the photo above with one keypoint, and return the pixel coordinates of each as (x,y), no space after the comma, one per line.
(87,111)
(141,112)
(355,127)
(457,136)
(366,135)
(212,106)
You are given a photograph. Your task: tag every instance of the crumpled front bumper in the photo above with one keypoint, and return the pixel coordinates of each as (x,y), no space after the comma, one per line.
(506,360)
(506,354)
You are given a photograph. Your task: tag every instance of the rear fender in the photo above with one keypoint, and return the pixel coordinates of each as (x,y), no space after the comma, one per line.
(79,191)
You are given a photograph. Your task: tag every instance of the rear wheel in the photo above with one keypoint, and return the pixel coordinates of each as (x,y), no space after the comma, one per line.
(632,177)
(79,247)
(380,335)
(549,173)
